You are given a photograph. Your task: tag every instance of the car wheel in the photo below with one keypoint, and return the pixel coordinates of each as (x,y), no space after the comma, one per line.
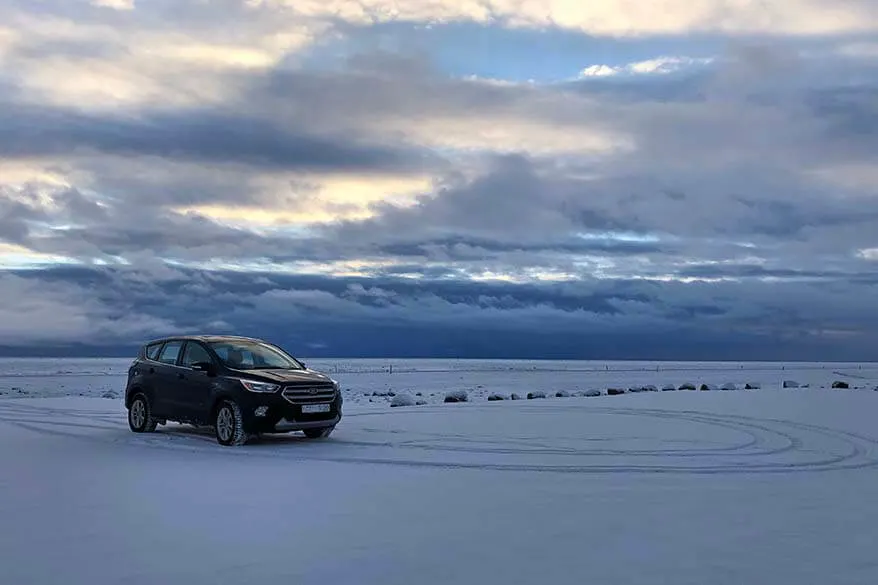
(140,419)
(229,425)
(320,433)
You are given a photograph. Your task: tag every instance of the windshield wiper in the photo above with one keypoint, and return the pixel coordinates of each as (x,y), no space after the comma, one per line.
(273,368)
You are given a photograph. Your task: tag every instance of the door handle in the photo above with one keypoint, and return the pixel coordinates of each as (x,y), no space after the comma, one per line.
(152,370)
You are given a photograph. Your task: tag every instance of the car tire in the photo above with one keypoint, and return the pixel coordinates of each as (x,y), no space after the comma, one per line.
(140,419)
(229,425)
(319,433)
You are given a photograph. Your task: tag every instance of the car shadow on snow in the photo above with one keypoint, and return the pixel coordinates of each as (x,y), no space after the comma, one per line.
(206,434)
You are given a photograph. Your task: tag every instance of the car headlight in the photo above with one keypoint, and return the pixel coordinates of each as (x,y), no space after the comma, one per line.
(263,387)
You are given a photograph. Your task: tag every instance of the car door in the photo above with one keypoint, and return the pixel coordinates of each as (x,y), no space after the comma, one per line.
(145,370)
(167,382)
(194,394)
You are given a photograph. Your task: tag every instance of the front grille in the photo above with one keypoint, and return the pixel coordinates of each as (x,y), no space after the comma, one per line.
(310,392)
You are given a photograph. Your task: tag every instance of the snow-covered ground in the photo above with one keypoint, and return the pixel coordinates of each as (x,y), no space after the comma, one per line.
(770,486)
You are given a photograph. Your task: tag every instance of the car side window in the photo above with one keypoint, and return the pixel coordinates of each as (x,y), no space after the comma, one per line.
(170,352)
(152,351)
(195,353)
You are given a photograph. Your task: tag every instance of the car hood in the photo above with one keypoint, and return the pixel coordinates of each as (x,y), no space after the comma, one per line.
(284,376)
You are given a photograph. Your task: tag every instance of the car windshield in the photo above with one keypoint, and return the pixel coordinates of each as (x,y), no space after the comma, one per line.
(251,355)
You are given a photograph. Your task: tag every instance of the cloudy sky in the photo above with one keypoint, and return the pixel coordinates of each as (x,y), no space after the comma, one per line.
(679,179)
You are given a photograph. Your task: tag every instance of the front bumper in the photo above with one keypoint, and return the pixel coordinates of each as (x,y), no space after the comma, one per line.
(273,413)
(285,426)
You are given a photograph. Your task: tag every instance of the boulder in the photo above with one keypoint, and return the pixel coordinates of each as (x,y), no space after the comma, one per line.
(687,386)
(615,391)
(594,393)
(753,386)
(496,397)
(562,394)
(535,395)
(840,384)
(402,400)
(515,397)
(456,396)
(669,388)
(790,384)
(729,386)
(635,389)
(650,388)
(706,387)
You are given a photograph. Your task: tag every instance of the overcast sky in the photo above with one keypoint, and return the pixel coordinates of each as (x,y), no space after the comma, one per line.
(675,179)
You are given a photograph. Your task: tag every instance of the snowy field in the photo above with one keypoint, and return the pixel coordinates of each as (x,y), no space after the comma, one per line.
(771,486)
(374,382)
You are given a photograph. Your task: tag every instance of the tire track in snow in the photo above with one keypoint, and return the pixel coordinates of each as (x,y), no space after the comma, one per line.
(769,445)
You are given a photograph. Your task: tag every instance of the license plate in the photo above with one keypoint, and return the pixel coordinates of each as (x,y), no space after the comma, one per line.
(314,408)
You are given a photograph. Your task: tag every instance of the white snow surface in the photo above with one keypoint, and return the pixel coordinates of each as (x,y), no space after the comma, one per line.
(767,486)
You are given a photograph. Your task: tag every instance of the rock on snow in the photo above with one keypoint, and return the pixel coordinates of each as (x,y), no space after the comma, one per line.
(402,400)
(456,396)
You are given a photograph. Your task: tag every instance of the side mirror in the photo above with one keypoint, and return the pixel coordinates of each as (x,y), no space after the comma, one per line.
(206,367)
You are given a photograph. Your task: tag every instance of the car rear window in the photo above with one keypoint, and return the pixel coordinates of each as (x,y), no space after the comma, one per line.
(152,351)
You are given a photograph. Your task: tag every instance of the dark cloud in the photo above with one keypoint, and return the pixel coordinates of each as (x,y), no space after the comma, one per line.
(756,272)
(205,136)
(515,200)
(401,317)
(850,119)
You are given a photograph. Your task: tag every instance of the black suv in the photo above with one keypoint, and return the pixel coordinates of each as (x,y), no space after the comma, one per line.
(239,385)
